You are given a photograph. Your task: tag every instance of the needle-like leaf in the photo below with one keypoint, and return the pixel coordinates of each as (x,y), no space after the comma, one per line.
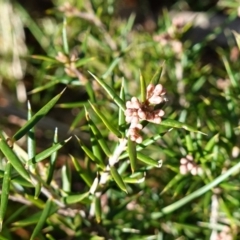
(37,117)
(5,193)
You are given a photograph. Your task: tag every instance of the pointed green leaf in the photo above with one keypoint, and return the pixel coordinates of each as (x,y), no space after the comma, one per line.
(16,214)
(176,205)
(189,143)
(132,154)
(45,58)
(231,76)
(50,237)
(121,118)
(30,220)
(97,135)
(14,160)
(143,86)
(172,183)
(46,153)
(84,61)
(227,211)
(5,192)
(66,177)
(90,92)
(45,86)
(109,71)
(211,143)
(35,201)
(106,122)
(96,149)
(76,121)
(176,124)
(34,218)
(90,154)
(76,198)
(72,104)
(149,161)
(42,220)
(237,37)
(110,92)
(37,191)
(40,114)
(42,39)
(82,172)
(64,37)
(53,158)
(128,26)
(31,141)
(118,179)
(135,178)
(98,209)
(157,75)
(22,181)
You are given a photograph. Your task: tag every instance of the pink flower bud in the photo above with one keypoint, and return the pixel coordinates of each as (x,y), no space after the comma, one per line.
(155,99)
(189,157)
(135,119)
(136,125)
(128,119)
(141,114)
(133,138)
(155,120)
(139,139)
(128,112)
(159,112)
(135,103)
(183,161)
(194,170)
(158,90)
(189,166)
(131,132)
(183,169)
(129,104)
(150,89)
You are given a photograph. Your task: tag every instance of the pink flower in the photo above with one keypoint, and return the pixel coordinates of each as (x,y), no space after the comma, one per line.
(137,111)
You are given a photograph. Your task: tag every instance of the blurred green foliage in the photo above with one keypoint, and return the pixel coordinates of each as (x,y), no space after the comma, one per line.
(83,192)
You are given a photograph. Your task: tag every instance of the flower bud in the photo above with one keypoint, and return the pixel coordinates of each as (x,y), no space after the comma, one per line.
(129,104)
(158,90)
(189,166)
(155,99)
(150,89)
(141,114)
(183,169)
(157,120)
(194,170)
(135,103)
(128,112)
(183,161)
(139,139)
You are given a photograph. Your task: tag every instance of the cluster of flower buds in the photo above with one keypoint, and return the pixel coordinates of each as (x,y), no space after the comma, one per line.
(69,63)
(188,165)
(170,37)
(137,111)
